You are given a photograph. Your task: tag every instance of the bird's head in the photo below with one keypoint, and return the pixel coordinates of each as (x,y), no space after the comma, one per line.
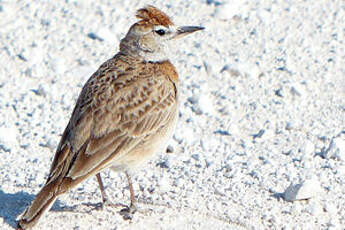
(150,37)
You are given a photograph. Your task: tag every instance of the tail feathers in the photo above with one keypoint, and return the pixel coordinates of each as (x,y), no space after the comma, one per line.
(42,203)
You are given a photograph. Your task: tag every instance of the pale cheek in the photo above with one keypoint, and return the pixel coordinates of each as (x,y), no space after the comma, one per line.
(169,45)
(148,42)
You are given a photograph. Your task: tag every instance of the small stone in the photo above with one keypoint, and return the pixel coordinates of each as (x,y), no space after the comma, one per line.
(196,157)
(164,184)
(231,70)
(205,104)
(232,9)
(40,91)
(222,132)
(58,65)
(209,144)
(49,143)
(296,208)
(341,170)
(193,100)
(208,68)
(209,163)
(8,138)
(167,161)
(170,149)
(163,164)
(333,224)
(106,35)
(308,147)
(303,191)
(330,208)
(22,57)
(292,125)
(336,149)
(259,134)
(178,137)
(94,36)
(189,136)
(216,3)
(278,92)
(298,90)
(178,182)
(314,208)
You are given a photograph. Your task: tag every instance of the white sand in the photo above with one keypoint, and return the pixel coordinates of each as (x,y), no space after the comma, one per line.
(263,108)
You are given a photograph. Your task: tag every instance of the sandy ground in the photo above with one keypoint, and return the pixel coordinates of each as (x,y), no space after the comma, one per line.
(263,108)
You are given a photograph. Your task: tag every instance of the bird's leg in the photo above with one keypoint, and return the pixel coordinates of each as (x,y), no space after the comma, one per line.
(131,191)
(105,201)
(104,195)
(129,211)
(101,186)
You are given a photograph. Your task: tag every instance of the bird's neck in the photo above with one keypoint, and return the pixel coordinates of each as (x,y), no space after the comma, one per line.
(134,49)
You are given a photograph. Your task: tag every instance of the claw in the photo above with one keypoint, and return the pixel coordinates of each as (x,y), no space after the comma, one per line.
(127,212)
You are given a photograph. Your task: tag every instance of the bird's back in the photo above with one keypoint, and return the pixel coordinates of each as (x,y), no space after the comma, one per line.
(124,102)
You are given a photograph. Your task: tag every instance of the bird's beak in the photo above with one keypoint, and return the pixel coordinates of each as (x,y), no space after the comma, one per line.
(184,30)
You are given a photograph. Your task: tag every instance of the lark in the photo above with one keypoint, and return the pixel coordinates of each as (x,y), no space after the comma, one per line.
(125,113)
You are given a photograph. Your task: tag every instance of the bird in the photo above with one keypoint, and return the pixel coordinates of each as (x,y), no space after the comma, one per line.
(125,114)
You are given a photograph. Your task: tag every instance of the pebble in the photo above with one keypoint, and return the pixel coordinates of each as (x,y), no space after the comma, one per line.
(231,70)
(95,36)
(314,208)
(202,103)
(8,138)
(196,156)
(178,182)
(186,135)
(49,143)
(308,147)
(41,90)
(193,99)
(330,207)
(298,90)
(303,191)
(164,184)
(209,144)
(341,170)
(231,9)
(205,104)
(336,149)
(58,65)
(170,149)
(208,68)
(106,35)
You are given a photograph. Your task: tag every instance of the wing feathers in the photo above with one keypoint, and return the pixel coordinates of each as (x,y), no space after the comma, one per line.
(114,122)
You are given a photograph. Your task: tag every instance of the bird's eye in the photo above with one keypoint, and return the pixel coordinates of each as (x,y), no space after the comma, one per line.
(160,32)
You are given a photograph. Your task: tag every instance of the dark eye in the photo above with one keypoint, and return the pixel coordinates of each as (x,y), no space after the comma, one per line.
(160,32)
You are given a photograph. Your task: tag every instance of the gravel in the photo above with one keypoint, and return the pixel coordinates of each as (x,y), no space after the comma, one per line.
(262,113)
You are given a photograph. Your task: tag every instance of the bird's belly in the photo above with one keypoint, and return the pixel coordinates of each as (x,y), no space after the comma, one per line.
(155,143)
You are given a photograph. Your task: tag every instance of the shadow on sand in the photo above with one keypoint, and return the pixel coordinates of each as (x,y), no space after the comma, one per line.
(12,205)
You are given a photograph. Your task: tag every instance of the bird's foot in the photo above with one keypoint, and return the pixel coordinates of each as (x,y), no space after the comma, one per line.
(95,207)
(102,205)
(112,205)
(128,211)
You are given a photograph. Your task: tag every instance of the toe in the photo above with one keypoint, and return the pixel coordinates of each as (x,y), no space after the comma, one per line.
(127,213)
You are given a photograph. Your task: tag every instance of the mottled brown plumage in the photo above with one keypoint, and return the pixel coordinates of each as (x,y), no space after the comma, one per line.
(153,16)
(125,113)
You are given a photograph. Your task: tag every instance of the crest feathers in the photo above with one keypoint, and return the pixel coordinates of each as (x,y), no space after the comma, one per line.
(152,15)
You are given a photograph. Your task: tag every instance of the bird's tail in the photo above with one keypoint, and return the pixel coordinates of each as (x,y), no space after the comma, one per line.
(42,203)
